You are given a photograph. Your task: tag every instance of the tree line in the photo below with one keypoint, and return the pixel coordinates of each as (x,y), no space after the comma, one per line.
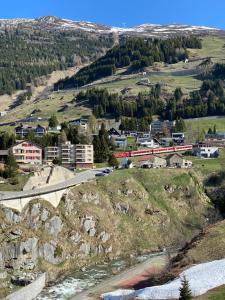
(138,110)
(134,53)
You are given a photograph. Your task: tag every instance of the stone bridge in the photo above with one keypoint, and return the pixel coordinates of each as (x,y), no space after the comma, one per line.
(53,193)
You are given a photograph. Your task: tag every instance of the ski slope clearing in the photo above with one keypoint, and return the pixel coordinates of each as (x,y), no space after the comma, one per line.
(201,278)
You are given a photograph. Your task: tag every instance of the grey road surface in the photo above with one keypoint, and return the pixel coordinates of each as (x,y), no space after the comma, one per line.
(78,179)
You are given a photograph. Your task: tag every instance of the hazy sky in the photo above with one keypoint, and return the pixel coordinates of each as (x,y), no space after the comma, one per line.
(122,12)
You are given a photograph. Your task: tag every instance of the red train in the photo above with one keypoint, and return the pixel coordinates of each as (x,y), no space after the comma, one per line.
(153,151)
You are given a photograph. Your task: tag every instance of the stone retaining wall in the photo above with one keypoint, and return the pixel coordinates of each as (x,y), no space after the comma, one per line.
(30,291)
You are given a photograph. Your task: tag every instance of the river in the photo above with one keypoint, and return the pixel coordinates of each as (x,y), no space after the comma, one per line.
(84,280)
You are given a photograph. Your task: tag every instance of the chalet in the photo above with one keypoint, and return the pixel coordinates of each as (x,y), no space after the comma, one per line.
(144,81)
(27,153)
(113,131)
(82,123)
(120,141)
(147,143)
(166,142)
(126,163)
(136,134)
(23,131)
(55,130)
(3,113)
(177,161)
(151,161)
(206,152)
(178,137)
(39,131)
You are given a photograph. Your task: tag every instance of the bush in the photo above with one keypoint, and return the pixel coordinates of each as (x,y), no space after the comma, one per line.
(14,181)
(57,161)
(58,251)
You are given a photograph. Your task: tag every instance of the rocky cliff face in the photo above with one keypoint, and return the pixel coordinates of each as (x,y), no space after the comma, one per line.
(129,212)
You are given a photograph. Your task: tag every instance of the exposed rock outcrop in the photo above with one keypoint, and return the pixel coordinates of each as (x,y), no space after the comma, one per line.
(54,226)
(102,220)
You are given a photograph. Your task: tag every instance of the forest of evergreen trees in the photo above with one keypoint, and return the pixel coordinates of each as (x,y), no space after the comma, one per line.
(219,71)
(208,101)
(26,55)
(135,53)
(104,103)
(136,112)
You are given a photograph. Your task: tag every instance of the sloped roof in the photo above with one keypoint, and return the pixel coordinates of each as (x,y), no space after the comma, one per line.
(146,157)
(174,154)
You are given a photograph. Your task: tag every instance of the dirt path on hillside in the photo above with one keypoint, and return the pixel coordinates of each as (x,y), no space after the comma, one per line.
(126,279)
(47,84)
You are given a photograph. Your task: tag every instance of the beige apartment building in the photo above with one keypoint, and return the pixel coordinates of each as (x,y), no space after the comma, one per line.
(84,156)
(78,156)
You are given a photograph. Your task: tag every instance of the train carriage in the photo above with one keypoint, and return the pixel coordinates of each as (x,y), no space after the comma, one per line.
(154,151)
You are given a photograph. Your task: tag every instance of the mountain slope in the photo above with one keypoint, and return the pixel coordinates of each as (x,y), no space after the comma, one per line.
(151,30)
(135,54)
(99,220)
(37,47)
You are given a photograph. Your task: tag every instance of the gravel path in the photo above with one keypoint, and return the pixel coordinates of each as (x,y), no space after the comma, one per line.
(132,275)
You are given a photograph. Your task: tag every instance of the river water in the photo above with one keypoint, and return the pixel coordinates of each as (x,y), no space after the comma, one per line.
(80,281)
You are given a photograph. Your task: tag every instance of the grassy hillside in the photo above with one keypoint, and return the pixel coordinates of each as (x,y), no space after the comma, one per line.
(54,103)
(216,294)
(209,246)
(200,124)
(142,211)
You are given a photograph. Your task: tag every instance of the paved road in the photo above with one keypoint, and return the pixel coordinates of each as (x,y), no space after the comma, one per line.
(78,179)
(159,261)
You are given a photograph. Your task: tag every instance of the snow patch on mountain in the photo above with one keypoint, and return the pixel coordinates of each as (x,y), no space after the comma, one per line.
(151,30)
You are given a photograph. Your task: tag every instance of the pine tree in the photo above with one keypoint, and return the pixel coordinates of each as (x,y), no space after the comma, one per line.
(62,137)
(112,161)
(11,167)
(97,149)
(185,292)
(178,94)
(53,122)
(210,131)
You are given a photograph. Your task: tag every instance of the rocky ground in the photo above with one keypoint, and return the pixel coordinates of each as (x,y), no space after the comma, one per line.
(140,212)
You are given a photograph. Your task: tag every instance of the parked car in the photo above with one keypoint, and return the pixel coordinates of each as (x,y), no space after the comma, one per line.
(100,174)
(108,171)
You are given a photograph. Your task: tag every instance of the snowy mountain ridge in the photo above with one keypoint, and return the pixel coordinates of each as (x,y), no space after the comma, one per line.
(151,30)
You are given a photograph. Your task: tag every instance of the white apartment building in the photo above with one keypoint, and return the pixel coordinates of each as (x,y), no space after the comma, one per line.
(27,153)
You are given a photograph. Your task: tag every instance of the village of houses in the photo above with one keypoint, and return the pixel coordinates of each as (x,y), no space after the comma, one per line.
(81,156)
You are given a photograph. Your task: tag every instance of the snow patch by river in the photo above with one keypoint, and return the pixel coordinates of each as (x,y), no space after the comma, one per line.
(201,278)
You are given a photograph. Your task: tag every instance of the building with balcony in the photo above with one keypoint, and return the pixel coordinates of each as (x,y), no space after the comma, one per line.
(84,156)
(27,153)
(52,153)
(67,152)
(71,156)
(23,131)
